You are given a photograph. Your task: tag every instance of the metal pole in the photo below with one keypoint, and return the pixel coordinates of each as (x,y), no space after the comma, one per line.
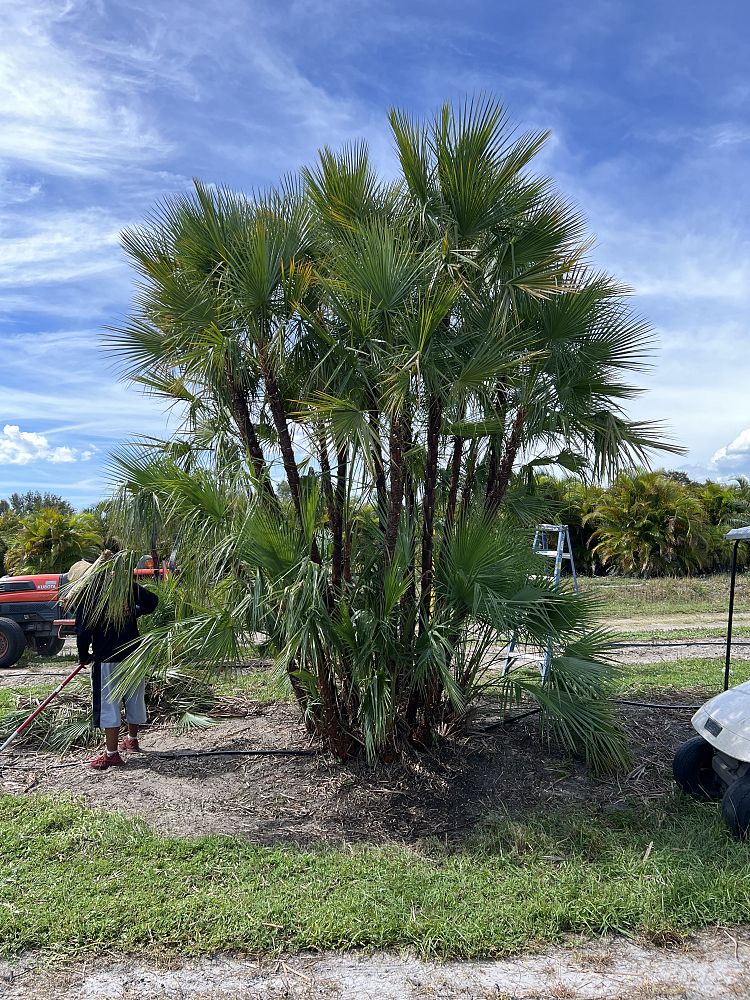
(731,615)
(40,708)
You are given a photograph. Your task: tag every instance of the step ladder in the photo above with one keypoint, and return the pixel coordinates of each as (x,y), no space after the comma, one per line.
(560,550)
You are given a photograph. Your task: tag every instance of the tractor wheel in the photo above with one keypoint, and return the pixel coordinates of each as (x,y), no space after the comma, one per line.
(693,772)
(735,808)
(50,646)
(12,642)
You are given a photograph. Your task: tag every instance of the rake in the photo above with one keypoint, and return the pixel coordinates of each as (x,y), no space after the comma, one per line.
(40,708)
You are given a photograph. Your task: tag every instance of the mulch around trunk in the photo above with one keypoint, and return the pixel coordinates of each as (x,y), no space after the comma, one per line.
(315,800)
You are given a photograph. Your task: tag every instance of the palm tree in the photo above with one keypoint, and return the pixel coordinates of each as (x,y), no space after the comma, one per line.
(648,524)
(399,355)
(50,541)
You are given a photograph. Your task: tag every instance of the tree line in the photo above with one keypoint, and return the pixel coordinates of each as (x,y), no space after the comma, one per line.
(648,523)
(645,523)
(40,532)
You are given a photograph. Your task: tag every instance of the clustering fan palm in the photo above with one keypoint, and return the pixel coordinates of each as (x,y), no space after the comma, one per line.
(366,372)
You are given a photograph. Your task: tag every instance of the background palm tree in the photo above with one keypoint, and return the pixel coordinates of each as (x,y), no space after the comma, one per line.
(400,355)
(50,541)
(648,524)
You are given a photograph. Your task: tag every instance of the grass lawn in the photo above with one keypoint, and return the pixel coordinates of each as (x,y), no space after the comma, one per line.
(691,673)
(262,685)
(72,878)
(9,696)
(622,597)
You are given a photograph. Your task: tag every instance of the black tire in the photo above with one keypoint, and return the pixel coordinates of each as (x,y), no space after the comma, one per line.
(693,772)
(50,646)
(735,808)
(12,642)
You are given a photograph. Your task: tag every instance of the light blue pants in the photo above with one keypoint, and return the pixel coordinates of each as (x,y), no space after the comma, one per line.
(109,704)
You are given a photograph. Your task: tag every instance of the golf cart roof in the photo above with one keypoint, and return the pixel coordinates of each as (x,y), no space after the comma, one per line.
(738,535)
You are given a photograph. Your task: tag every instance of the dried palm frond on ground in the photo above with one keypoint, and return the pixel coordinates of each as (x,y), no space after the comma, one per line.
(174,697)
(64,725)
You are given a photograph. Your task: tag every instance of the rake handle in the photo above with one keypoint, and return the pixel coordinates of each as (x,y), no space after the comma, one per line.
(40,708)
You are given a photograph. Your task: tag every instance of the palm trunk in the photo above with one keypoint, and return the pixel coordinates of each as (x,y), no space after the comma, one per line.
(455,467)
(423,734)
(500,406)
(505,467)
(331,507)
(333,729)
(471,469)
(397,487)
(377,461)
(340,563)
(248,434)
(278,414)
(434,421)
(493,463)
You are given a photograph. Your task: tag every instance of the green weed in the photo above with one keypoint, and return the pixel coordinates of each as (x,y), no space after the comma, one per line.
(72,878)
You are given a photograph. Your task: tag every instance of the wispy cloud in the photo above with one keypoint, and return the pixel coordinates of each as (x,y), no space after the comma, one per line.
(64,380)
(59,113)
(57,246)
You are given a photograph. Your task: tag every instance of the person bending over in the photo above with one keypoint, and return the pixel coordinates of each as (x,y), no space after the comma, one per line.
(105,642)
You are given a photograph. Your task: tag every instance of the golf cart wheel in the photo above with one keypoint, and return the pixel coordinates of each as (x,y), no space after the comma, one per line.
(735,808)
(12,642)
(693,772)
(50,646)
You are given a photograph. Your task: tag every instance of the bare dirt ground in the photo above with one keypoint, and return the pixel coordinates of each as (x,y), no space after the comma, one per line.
(665,651)
(715,964)
(505,769)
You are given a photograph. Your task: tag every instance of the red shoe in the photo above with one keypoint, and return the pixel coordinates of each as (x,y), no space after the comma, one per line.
(105,760)
(129,745)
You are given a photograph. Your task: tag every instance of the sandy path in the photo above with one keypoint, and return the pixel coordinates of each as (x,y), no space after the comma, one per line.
(713,964)
(666,651)
(669,623)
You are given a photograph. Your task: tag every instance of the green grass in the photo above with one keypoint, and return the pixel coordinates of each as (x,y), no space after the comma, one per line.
(261,685)
(665,635)
(9,696)
(72,879)
(626,598)
(30,661)
(690,673)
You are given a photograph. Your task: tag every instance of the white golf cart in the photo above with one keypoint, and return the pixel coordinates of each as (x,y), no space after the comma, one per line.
(715,765)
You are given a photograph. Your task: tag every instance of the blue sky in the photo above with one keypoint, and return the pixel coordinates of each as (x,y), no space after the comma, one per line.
(107,106)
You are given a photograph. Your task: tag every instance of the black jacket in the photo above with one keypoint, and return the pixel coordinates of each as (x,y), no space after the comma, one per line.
(107,642)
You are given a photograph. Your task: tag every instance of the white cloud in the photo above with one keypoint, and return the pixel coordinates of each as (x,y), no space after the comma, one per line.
(19,447)
(735,456)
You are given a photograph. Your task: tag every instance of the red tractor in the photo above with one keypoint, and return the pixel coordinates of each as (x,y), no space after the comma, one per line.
(31,616)
(29,610)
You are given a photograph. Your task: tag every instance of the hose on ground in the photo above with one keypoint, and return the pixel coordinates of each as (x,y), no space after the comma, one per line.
(501,723)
